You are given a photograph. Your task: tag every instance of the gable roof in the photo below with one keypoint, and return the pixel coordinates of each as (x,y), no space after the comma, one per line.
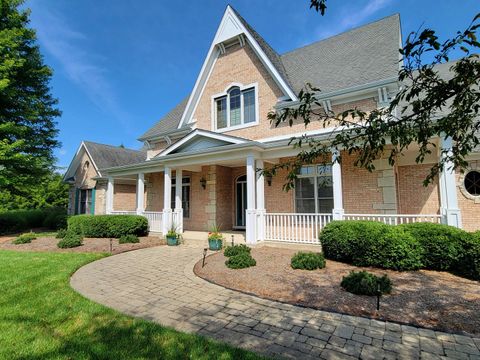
(356,57)
(106,156)
(168,123)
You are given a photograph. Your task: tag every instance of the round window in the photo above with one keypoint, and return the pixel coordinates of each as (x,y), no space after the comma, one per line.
(472,182)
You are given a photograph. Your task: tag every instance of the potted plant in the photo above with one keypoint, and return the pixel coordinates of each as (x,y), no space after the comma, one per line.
(215,238)
(172,235)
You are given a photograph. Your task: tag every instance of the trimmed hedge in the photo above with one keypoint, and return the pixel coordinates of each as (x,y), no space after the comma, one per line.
(365,283)
(240,261)
(308,261)
(24,238)
(70,240)
(126,239)
(403,247)
(370,243)
(108,226)
(21,220)
(236,250)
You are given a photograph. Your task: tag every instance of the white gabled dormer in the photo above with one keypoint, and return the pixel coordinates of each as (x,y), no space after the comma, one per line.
(232,30)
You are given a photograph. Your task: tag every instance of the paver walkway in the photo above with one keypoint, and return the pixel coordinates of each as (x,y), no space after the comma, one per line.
(158,284)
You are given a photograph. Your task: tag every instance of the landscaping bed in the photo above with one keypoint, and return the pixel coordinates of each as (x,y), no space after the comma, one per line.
(95,245)
(426,298)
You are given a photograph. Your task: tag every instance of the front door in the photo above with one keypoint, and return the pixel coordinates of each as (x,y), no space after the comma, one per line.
(240,201)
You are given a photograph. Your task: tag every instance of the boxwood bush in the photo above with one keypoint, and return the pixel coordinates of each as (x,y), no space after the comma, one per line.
(125,239)
(108,226)
(21,220)
(24,238)
(370,243)
(365,283)
(61,234)
(240,261)
(70,240)
(468,264)
(308,261)
(236,250)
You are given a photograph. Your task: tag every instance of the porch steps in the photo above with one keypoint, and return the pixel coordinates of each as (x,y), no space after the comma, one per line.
(196,237)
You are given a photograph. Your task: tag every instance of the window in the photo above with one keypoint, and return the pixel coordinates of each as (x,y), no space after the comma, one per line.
(472,182)
(314,189)
(236,108)
(185,196)
(84,201)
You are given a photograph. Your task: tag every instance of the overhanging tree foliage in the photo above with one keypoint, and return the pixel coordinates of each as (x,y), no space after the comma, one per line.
(430,104)
(27,109)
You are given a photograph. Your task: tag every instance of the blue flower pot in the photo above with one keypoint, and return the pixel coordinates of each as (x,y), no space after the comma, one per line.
(215,244)
(172,240)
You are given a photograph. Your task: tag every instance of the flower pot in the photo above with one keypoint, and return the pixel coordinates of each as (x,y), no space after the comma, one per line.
(172,240)
(214,244)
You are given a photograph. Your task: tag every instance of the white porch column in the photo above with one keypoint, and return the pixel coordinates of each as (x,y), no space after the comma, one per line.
(338,210)
(448,191)
(167,193)
(178,200)
(260,191)
(250,231)
(140,193)
(109,195)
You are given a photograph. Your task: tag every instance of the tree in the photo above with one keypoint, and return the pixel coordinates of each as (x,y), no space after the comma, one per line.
(27,109)
(427,107)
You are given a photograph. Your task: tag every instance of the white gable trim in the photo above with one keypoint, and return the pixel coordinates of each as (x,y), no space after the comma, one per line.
(74,162)
(198,132)
(229,27)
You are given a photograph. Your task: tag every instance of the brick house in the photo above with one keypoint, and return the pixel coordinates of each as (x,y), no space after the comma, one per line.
(200,162)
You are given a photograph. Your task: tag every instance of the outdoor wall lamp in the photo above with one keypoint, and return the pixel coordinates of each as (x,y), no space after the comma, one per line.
(269,179)
(203,182)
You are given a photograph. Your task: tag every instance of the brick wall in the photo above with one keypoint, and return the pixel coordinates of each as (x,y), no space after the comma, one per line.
(100,198)
(469,205)
(413,197)
(124,197)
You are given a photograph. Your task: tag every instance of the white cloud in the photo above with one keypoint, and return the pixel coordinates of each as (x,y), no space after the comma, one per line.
(62,151)
(82,67)
(353,17)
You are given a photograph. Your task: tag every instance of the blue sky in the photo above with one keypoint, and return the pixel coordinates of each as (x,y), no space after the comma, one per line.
(120,65)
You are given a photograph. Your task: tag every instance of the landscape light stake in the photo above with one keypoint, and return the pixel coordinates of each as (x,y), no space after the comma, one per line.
(379,294)
(111,245)
(232,241)
(204,254)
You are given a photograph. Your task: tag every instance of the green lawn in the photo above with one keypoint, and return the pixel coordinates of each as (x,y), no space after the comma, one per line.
(41,317)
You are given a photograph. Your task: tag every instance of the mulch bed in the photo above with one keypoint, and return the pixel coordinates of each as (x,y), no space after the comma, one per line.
(425,298)
(89,245)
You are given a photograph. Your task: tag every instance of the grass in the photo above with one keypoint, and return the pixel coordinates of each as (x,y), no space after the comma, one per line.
(42,317)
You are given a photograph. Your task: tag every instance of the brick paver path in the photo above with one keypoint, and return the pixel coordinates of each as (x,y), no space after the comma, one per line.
(158,284)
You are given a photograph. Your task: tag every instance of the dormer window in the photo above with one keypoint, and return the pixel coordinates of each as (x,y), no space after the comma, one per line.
(236,108)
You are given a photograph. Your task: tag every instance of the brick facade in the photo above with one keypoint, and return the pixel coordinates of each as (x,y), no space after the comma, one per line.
(469,205)
(124,197)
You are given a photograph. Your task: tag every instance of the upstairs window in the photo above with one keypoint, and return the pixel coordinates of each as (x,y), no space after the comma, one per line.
(236,108)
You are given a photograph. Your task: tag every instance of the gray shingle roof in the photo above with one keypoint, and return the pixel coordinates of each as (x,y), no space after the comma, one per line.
(168,123)
(360,56)
(106,156)
(356,57)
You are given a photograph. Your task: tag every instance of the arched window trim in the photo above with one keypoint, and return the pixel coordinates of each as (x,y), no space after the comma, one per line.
(226,95)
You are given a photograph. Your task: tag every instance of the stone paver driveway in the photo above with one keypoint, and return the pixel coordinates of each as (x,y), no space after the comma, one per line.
(158,284)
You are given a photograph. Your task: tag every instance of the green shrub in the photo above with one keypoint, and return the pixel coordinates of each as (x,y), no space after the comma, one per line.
(468,264)
(442,244)
(61,233)
(20,220)
(308,261)
(364,283)
(108,226)
(236,250)
(125,239)
(24,238)
(370,243)
(55,219)
(240,261)
(70,240)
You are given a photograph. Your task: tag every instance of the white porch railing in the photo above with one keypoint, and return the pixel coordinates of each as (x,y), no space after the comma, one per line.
(395,219)
(123,212)
(298,228)
(155,220)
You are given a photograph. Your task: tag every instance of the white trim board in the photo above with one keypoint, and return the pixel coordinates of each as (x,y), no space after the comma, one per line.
(230,27)
(74,161)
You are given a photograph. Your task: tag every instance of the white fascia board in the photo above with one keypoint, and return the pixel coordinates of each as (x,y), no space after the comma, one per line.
(230,26)
(300,134)
(198,132)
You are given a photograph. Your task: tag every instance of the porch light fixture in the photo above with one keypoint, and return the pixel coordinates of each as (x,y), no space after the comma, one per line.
(269,179)
(203,182)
